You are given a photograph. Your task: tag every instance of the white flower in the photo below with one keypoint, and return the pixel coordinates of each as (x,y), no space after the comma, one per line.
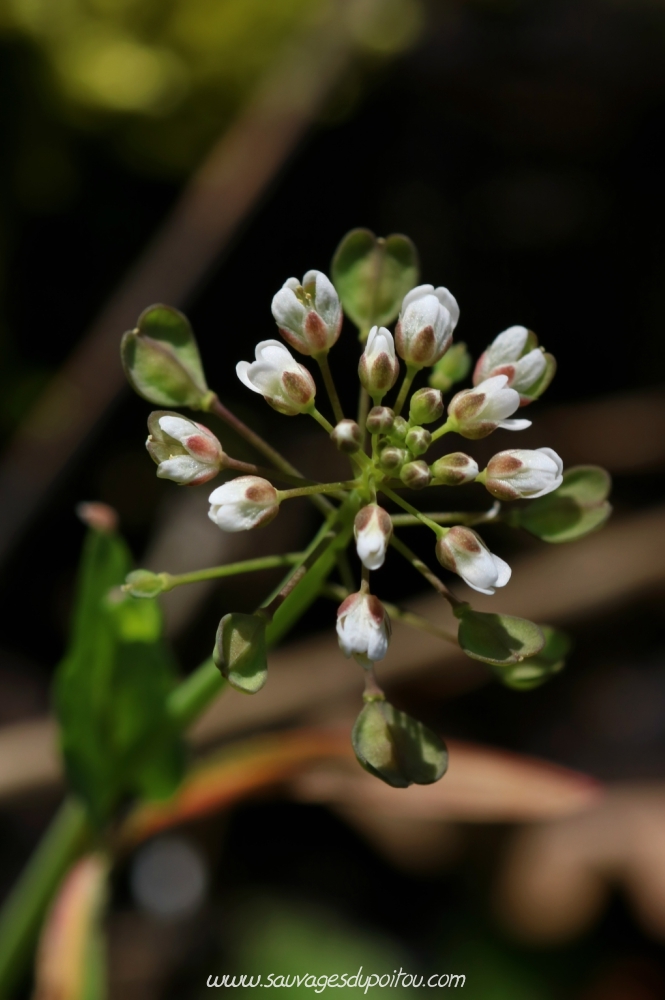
(475,413)
(515,353)
(309,316)
(378,367)
(518,473)
(243,503)
(465,553)
(425,327)
(185,452)
(372,529)
(277,376)
(363,628)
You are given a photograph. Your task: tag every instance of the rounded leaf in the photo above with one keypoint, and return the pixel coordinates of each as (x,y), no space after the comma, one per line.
(372,276)
(497,639)
(396,748)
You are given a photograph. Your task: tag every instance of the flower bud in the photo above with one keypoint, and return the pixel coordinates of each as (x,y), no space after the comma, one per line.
(453,367)
(465,553)
(416,475)
(418,440)
(309,316)
(286,385)
(363,628)
(240,651)
(346,436)
(162,362)
(243,503)
(372,529)
(185,452)
(455,469)
(515,354)
(143,583)
(426,406)
(378,367)
(425,327)
(380,420)
(399,429)
(392,458)
(475,413)
(520,474)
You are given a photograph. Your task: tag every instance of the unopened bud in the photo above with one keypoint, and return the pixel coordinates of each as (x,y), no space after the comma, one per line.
(309,316)
(284,383)
(162,362)
(184,451)
(424,330)
(363,628)
(453,367)
(464,552)
(378,367)
(243,503)
(418,440)
(143,583)
(523,474)
(416,475)
(346,436)
(475,413)
(515,353)
(426,406)
(240,651)
(372,528)
(380,420)
(98,516)
(392,458)
(399,429)
(455,469)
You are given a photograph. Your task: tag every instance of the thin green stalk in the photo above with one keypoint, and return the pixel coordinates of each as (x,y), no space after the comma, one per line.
(443,429)
(468,518)
(306,491)
(231,569)
(425,571)
(23,911)
(363,410)
(320,419)
(322,360)
(411,372)
(413,511)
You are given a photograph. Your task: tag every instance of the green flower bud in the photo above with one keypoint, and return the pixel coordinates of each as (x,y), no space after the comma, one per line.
(399,429)
(426,406)
(396,748)
(418,440)
(453,367)
(380,420)
(392,458)
(143,583)
(346,436)
(455,469)
(162,362)
(416,475)
(240,651)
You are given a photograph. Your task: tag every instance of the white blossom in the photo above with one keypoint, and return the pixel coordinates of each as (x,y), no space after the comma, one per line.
(515,353)
(309,315)
(284,383)
(372,529)
(520,473)
(425,327)
(185,451)
(476,412)
(363,628)
(465,553)
(243,503)
(378,367)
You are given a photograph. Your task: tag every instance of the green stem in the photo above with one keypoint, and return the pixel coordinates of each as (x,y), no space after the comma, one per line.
(411,372)
(449,517)
(425,571)
(306,491)
(320,419)
(443,429)
(23,911)
(337,593)
(363,410)
(413,511)
(322,361)
(231,569)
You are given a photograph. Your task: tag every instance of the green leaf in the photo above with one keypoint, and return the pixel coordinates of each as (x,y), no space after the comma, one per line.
(240,651)
(112,686)
(536,670)
(162,361)
(497,639)
(578,507)
(372,276)
(396,748)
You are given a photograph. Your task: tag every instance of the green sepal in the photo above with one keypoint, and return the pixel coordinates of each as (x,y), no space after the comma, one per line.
(453,367)
(162,361)
(536,670)
(372,276)
(396,748)
(144,583)
(240,651)
(497,639)
(578,507)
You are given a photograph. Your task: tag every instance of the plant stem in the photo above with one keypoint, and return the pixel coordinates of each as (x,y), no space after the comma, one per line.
(320,419)
(443,429)
(218,408)
(231,569)
(449,517)
(322,361)
(363,410)
(24,909)
(413,511)
(305,491)
(337,593)
(425,571)
(411,372)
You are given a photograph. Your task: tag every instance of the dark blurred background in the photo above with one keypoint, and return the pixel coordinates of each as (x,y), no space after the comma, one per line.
(521,145)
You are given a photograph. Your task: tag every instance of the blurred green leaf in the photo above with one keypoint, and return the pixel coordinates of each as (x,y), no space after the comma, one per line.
(396,748)
(453,367)
(372,276)
(112,686)
(497,639)
(536,670)
(578,507)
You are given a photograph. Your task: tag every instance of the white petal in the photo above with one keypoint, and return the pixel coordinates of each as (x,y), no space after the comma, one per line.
(180,469)
(425,311)
(287,311)
(371,549)
(229,492)
(558,461)
(507,347)
(371,336)
(500,405)
(326,300)
(529,369)
(504,572)
(382,343)
(273,353)
(515,425)
(490,386)
(178,428)
(415,294)
(449,302)
(242,371)
(378,644)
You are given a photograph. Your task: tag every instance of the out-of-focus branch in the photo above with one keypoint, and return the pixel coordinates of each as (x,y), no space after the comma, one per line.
(220,195)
